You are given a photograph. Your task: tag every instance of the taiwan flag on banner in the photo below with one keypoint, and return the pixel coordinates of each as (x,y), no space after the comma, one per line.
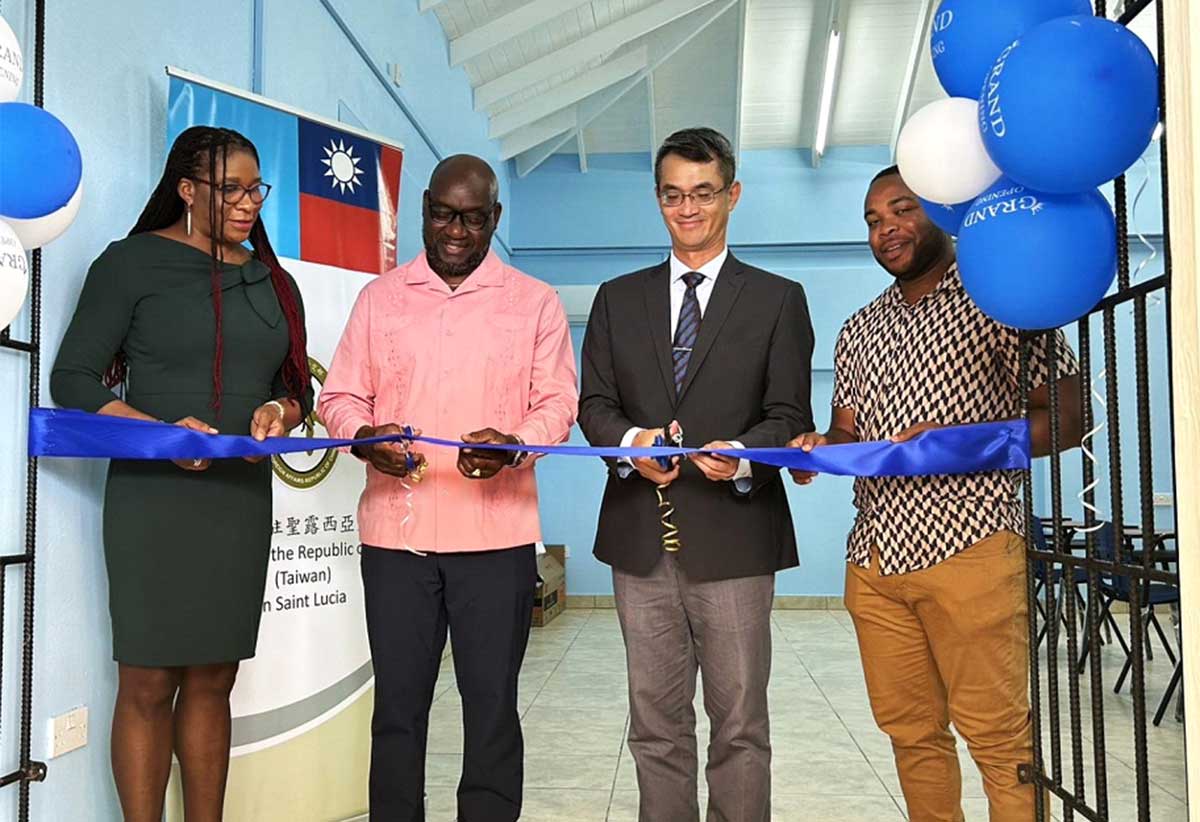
(349,187)
(335,190)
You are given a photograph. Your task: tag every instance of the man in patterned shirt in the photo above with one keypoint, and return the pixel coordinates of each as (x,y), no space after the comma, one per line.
(935,577)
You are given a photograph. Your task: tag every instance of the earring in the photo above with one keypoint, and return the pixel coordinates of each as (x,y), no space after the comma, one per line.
(188,221)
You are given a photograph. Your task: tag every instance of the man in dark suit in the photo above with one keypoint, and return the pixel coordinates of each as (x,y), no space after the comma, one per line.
(724,350)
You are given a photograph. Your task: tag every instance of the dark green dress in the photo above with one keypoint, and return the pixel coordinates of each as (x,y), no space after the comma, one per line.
(186,551)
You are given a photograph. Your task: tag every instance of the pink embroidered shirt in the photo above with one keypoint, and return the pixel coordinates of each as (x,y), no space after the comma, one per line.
(494,353)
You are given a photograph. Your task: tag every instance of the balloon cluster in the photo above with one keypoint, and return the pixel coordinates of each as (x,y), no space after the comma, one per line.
(41,175)
(1047,103)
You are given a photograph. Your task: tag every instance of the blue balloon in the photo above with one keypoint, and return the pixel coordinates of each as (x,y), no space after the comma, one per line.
(1033,260)
(1070,105)
(968,35)
(40,164)
(948,218)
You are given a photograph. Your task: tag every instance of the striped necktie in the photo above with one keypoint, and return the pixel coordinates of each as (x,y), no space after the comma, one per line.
(688,327)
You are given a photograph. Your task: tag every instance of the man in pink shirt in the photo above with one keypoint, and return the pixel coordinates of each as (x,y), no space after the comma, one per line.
(458,344)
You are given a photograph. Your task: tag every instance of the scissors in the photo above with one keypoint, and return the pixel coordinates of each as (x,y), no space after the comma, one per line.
(415,469)
(673,437)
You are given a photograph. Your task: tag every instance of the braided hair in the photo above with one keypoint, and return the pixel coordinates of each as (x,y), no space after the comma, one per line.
(204,150)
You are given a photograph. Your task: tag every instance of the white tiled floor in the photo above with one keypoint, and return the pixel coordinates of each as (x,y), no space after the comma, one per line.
(831,764)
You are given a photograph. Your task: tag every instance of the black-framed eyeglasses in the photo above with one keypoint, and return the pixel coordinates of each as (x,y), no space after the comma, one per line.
(233,193)
(673,197)
(471,220)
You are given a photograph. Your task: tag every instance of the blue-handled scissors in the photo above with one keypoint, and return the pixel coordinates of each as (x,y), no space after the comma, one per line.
(410,462)
(675,437)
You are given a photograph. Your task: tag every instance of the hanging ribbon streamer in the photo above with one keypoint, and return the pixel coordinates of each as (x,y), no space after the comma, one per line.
(671,542)
(416,472)
(670,536)
(1086,444)
(1135,226)
(961,449)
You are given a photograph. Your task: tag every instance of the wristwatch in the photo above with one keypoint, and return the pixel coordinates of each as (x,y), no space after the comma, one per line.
(518,457)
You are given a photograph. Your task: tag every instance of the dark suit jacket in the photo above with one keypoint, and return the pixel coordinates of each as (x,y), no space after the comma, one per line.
(749,379)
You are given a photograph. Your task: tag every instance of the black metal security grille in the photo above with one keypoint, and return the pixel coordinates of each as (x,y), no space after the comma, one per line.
(1098,585)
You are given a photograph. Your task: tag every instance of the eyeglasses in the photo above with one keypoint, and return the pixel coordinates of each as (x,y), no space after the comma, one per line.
(471,220)
(673,197)
(233,193)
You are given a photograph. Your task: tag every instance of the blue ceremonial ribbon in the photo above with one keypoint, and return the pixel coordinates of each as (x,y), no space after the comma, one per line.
(960,449)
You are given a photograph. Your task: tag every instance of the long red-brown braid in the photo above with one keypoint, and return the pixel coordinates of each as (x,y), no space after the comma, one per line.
(296,375)
(216,222)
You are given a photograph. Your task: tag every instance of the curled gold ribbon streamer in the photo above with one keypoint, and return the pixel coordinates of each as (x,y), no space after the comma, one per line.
(671,542)
(670,538)
(416,472)
(409,515)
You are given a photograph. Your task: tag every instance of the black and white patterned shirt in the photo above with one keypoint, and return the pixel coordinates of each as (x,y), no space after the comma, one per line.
(940,360)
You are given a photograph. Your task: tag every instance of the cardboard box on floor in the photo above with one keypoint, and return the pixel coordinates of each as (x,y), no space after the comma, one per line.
(550,595)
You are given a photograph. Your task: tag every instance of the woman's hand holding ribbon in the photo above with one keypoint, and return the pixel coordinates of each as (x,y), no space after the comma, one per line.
(195,425)
(268,421)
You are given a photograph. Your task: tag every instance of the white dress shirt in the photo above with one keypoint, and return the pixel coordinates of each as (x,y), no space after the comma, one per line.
(711,270)
(704,290)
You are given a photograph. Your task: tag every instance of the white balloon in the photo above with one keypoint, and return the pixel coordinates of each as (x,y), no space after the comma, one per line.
(14,274)
(11,64)
(941,153)
(38,231)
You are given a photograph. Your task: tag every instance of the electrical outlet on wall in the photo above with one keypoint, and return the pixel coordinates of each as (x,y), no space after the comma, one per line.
(68,732)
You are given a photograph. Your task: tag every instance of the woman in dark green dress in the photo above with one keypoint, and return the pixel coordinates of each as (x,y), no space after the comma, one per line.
(210,336)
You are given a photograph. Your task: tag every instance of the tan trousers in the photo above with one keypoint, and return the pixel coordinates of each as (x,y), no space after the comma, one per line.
(951,643)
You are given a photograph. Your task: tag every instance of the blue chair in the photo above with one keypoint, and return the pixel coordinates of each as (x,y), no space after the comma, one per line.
(1117,588)
(1165,702)
(1044,576)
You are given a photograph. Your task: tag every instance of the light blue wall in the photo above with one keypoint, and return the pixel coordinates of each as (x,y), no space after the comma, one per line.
(784,201)
(582,229)
(105,80)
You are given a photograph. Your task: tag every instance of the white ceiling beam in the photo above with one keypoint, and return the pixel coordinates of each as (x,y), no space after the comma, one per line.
(743,5)
(653,117)
(818,40)
(820,51)
(916,52)
(427,5)
(506,27)
(568,93)
(661,50)
(560,122)
(585,112)
(591,47)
